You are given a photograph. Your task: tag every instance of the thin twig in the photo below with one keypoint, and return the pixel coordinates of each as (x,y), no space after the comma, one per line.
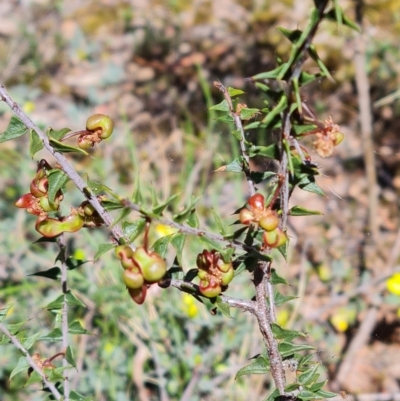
(66,166)
(263,318)
(247,306)
(31,362)
(364,103)
(184,228)
(239,127)
(64,312)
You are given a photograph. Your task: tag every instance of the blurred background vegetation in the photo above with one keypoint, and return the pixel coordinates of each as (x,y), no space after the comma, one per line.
(150,64)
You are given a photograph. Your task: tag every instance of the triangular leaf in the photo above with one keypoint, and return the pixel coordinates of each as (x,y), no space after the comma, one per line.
(234,92)
(76,328)
(29,341)
(287,349)
(15,129)
(74,396)
(219,223)
(247,113)
(310,186)
(161,207)
(97,187)
(4,311)
(178,242)
(259,366)
(223,106)
(59,134)
(161,245)
(72,300)
(308,377)
(134,229)
(54,273)
(22,366)
(57,180)
(36,144)
(236,166)
(63,148)
(54,336)
(302,211)
(102,249)
(109,204)
(73,263)
(223,307)
(270,151)
(281,299)
(283,334)
(321,394)
(276,279)
(69,356)
(33,378)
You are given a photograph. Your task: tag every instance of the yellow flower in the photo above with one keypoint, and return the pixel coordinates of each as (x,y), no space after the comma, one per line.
(393,284)
(283,317)
(163,230)
(190,306)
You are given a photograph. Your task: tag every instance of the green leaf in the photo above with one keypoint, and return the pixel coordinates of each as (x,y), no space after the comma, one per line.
(161,207)
(269,74)
(178,242)
(226,118)
(35,144)
(74,396)
(302,211)
(333,16)
(273,396)
(275,111)
(219,223)
(63,148)
(305,78)
(314,55)
(4,311)
(236,166)
(54,273)
(102,249)
(237,134)
(234,92)
(56,375)
(247,113)
(109,204)
(310,186)
(308,377)
(281,299)
(305,360)
(307,395)
(29,341)
(287,349)
(300,129)
(223,307)
(57,180)
(257,176)
(293,36)
(15,129)
(283,334)
(183,215)
(271,151)
(54,336)
(76,328)
(325,394)
(72,300)
(161,245)
(59,134)
(223,106)
(276,279)
(134,229)
(193,220)
(56,304)
(318,386)
(97,187)
(73,263)
(22,366)
(33,378)
(69,356)
(253,125)
(227,254)
(259,366)
(14,328)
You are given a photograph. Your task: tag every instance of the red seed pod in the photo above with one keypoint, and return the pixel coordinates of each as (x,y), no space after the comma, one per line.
(210,288)
(152,265)
(270,220)
(246,216)
(138,295)
(257,202)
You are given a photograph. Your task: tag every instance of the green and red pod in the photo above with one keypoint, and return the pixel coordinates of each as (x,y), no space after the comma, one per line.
(133,278)
(257,202)
(50,227)
(101,123)
(138,295)
(151,264)
(210,287)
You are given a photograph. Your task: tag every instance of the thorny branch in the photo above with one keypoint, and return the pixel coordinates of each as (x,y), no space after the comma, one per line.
(66,166)
(239,127)
(31,362)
